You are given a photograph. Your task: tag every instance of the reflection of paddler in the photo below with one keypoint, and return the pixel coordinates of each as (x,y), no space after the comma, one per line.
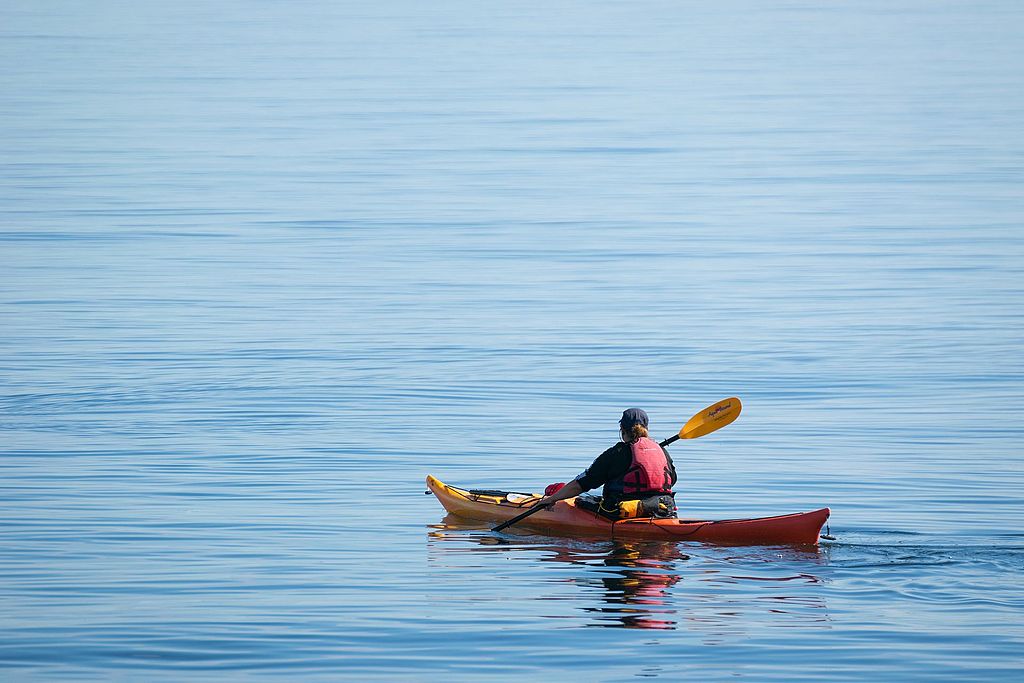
(642,581)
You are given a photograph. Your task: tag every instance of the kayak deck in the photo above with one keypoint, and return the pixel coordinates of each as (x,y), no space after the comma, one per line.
(566,519)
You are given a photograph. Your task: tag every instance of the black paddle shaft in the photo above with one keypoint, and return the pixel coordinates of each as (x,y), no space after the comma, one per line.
(505,525)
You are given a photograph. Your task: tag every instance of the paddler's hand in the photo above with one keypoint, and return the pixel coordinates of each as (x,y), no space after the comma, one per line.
(570,490)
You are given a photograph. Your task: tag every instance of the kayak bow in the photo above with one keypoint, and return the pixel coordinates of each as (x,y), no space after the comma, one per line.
(564,518)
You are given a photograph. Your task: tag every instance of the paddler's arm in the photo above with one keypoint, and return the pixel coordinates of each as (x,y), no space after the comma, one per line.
(614,460)
(570,490)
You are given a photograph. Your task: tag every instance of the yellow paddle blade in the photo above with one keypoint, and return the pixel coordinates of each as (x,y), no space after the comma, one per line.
(711,418)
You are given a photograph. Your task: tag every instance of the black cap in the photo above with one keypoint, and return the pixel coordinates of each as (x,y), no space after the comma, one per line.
(631,417)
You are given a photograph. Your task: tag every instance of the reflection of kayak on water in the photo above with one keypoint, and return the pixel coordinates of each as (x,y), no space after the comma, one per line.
(565,518)
(640,584)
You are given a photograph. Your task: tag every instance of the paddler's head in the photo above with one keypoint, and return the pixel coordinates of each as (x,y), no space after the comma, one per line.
(633,424)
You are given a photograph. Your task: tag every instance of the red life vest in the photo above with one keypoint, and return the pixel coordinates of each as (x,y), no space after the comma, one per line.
(649,472)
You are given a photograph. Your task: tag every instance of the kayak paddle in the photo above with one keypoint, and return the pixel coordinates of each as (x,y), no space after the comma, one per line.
(711,419)
(708,420)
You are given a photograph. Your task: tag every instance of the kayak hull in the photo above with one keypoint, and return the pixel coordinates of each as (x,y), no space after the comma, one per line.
(564,518)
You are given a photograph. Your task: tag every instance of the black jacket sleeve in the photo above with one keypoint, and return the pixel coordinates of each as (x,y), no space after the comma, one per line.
(611,464)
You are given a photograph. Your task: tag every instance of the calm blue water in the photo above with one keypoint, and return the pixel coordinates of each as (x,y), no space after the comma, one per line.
(265,265)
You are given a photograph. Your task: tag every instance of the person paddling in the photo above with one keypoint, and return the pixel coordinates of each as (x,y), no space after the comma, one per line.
(637,475)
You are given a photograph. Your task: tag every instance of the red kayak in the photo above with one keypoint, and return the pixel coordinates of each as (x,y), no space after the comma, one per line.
(565,519)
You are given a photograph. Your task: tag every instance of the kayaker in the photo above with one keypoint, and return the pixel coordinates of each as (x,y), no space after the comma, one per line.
(637,475)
